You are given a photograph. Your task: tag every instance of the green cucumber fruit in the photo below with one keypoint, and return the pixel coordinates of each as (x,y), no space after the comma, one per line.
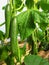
(14,42)
(7,19)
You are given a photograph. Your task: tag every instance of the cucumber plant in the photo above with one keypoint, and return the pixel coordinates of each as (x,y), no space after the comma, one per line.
(31,24)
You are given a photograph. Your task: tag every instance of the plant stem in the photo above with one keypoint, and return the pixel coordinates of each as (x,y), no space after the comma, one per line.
(11,4)
(19,7)
(2,24)
(35,48)
(18,51)
(35,7)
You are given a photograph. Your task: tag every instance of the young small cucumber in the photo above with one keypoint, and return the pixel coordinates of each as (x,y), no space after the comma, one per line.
(7,19)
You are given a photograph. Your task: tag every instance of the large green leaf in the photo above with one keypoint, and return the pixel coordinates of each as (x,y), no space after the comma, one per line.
(29,3)
(44,5)
(28,19)
(17,3)
(41,18)
(35,60)
(25,24)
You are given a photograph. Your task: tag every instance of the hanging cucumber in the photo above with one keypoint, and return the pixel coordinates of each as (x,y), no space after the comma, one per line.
(7,19)
(14,42)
